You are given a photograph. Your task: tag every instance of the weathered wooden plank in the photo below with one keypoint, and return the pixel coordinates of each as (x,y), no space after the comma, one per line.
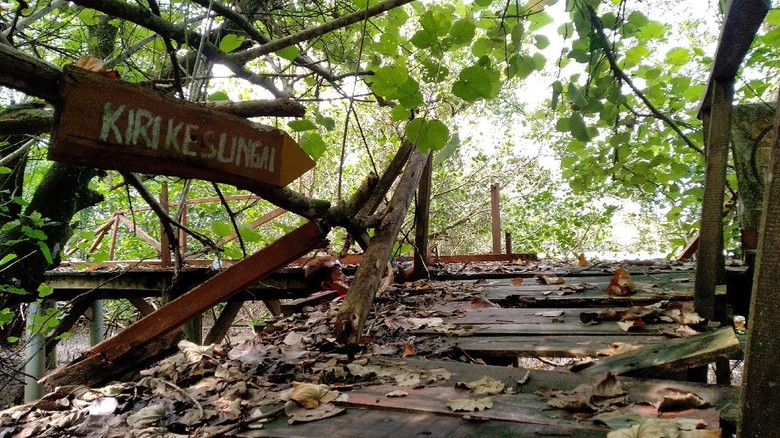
(223,323)
(99,361)
(367,422)
(550,346)
(495,217)
(551,329)
(111,124)
(314,299)
(672,356)
(722,398)
(762,373)
(743,19)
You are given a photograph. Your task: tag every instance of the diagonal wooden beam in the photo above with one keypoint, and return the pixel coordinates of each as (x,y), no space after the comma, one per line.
(98,363)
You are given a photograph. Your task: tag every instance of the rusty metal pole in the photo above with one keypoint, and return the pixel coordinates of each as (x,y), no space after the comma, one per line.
(495,216)
(165,246)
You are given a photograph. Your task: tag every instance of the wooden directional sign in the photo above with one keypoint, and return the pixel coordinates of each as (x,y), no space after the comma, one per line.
(110,124)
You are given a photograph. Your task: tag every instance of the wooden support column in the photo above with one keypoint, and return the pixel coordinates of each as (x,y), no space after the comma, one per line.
(508,242)
(710,262)
(114,232)
(762,373)
(495,216)
(356,306)
(224,321)
(97,326)
(152,334)
(422,212)
(183,234)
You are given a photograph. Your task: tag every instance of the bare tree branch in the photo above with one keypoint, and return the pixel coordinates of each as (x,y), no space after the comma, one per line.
(314,32)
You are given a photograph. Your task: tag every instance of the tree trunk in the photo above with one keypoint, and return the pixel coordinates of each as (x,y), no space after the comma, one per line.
(354,311)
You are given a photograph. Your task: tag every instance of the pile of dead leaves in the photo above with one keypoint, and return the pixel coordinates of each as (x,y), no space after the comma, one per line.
(637,317)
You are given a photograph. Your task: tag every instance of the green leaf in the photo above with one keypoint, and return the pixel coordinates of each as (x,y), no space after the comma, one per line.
(45,251)
(44,290)
(249,235)
(288,53)
(218,96)
(517,35)
(7,258)
(538,21)
(463,31)
(541,41)
(427,135)
(301,125)
(448,150)
(400,113)
(773,17)
(424,39)
(637,18)
(221,229)
(577,127)
(326,122)
(436,22)
(395,83)
(653,30)
(408,94)
(473,83)
(89,17)
(230,42)
(11,339)
(434,72)
(678,56)
(5,170)
(576,97)
(539,61)
(483,3)
(482,47)
(634,56)
(557,88)
(313,144)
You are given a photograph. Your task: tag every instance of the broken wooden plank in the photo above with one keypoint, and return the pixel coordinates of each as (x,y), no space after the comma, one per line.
(550,346)
(422,212)
(356,306)
(671,356)
(98,365)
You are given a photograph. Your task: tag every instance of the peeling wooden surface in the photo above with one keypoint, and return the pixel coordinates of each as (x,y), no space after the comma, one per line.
(672,356)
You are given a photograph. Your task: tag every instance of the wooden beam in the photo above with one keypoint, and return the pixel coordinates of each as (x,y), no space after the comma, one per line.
(139,232)
(710,267)
(165,244)
(762,374)
(356,306)
(670,357)
(422,212)
(743,19)
(495,218)
(97,366)
(223,323)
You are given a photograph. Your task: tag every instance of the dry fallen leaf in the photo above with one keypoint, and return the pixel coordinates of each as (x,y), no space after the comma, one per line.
(616,348)
(652,428)
(469,405)
(517,282)
(194,352)
(146,417)
(103,406)
(621,283)
(297,415)
(310,395)
(550,313)
(397,393)
(673,399)
(627,326)
(549,280)
(409,351)
(484,386)
(581,260)
(482,303)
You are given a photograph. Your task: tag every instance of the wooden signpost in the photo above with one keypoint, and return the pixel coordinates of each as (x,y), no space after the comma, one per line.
(110,124)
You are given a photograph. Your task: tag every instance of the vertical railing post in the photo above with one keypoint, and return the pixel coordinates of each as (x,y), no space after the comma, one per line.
(495,216)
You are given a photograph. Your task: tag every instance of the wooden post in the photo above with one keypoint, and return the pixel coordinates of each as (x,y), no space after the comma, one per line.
(114,232)
(495,216)
(35,357)
(710,262)
(165,245)
(762,374)
(355,308)
(508,242)
(422,213)
(96,326)
(150,335)
(223,322)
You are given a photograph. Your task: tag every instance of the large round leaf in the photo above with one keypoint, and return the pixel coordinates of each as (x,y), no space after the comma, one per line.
(427,135)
